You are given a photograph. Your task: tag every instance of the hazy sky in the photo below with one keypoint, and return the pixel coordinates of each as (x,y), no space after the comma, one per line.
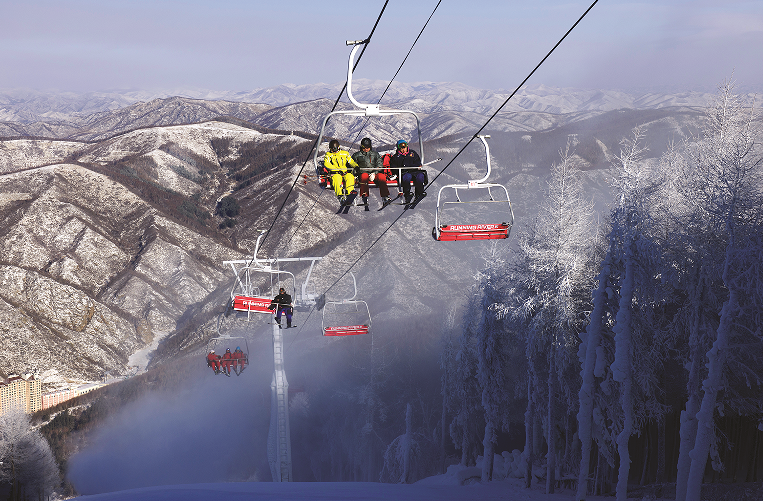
(87,45)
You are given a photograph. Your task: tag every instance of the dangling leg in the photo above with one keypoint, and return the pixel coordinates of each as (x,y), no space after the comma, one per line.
(405,181)
(419,183)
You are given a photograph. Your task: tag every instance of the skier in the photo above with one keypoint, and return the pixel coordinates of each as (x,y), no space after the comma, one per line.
(227,361)
(370,160)
(239,360)
(335,163)
(213,361)
(410,161)
(282,304)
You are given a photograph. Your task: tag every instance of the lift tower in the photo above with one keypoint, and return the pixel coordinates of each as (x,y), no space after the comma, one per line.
(245,297)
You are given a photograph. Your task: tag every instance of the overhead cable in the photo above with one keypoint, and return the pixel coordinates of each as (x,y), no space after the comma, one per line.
(364,125)
(470,140)
(315,145)
(401,66)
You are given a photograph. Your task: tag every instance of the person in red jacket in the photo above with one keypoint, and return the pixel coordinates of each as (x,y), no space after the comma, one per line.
(213,360)
(239,360)
(227,361)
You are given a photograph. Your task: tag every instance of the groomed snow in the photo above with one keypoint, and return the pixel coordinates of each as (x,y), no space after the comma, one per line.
(440,488)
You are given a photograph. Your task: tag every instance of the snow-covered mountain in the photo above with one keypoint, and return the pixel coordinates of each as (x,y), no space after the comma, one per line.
(110,243)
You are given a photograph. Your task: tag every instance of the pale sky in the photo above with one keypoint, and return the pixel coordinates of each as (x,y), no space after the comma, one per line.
(88,45)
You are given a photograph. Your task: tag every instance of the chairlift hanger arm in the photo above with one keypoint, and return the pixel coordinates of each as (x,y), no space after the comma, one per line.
(364,110)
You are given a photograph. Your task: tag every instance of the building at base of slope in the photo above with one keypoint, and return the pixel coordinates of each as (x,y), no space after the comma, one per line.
(24,392)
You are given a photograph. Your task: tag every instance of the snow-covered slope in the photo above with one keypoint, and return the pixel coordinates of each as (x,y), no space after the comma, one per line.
(123,230)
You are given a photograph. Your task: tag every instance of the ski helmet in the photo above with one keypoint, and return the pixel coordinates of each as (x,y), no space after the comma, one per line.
(365,143)
(333,145)
(402,144)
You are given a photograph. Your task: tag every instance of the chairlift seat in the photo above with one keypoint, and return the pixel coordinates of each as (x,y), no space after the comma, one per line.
(251,303)
(459,232)
(325,183)
(345,330)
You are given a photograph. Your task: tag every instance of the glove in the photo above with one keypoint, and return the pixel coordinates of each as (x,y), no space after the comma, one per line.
(393,177)
(371,177)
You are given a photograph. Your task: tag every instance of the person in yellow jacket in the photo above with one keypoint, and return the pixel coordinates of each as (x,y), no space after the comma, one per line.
(335,162)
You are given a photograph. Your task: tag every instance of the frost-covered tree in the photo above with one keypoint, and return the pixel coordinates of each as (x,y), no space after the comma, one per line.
(26,461)
(408,457)
(552,270)
(724,185)
(464,395)
(628,217)
(494,342)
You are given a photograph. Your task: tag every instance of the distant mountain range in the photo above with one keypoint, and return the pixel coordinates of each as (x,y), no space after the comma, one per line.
(28,107)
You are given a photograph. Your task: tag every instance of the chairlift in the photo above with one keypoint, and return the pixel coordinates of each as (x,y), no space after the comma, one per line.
(366,110)
(346,317)
(484,198)
(223,341)
(245,295)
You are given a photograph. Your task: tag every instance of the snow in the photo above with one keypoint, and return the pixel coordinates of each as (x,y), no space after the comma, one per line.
(441,488)
(141,357)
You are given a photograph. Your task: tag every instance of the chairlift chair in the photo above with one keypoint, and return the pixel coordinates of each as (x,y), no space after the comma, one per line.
(245,296)
(502,212)
(224,341)
(346,317)
(364,110)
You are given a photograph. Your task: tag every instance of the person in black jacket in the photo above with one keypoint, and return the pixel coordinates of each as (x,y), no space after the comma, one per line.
(282,304)
(371,169)
(409,158)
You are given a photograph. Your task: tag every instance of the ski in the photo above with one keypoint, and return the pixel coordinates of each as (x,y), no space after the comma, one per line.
(391,200)
(344,208)
(415,201)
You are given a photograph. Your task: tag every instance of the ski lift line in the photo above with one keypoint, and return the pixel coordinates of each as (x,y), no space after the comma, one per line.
(476,134)
(315,144)
(471,139)
(400,67)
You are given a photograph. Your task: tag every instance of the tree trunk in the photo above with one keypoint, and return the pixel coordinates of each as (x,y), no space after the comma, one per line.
(591,341)
(622,371)
(661,449)
(407,445)
(712,384)
(487,457)
(688,429)
(528,455)
(443,429)
(551,427)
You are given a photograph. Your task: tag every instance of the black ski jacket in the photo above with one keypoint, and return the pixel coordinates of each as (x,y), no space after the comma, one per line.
(280,301)
(410,159)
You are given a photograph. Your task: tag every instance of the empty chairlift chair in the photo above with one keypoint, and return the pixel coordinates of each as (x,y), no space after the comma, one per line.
(346,317)
(485,215)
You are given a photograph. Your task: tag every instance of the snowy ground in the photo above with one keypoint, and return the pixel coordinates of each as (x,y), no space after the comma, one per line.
(141,358)
(440,488)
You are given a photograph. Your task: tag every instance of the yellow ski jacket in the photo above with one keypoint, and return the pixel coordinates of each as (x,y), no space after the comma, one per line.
(337,161)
